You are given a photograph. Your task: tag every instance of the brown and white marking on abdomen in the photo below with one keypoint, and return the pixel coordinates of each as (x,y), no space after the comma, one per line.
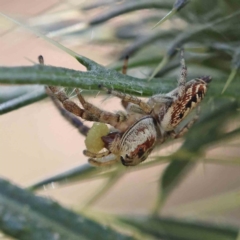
(138,141)
(195,92)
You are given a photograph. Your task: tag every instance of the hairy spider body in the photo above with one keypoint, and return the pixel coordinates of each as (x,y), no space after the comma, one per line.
(135,144)
(194,93)
(144,124)
(139,139)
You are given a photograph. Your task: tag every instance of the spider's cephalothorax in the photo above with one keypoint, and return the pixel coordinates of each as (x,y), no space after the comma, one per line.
(143,125)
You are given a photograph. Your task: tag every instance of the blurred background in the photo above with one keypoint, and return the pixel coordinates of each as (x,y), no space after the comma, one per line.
(36,142)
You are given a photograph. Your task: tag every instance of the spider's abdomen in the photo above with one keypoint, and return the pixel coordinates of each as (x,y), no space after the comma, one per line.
(194,93)
(138,141)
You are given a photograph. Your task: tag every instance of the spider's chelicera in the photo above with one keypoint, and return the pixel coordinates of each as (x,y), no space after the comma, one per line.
(143,125)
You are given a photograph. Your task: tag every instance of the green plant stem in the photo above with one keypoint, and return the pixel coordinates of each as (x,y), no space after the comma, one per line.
(129,7)
(114,177)
(23,100)
(27,217)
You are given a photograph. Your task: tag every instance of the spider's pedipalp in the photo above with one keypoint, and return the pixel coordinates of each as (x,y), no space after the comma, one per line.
(105,160)
(95,155)
(96,163)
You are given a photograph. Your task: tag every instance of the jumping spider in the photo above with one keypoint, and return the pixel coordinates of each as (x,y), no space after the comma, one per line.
(144,124)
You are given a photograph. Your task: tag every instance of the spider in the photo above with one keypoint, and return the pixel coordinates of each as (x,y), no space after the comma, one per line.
(143,125)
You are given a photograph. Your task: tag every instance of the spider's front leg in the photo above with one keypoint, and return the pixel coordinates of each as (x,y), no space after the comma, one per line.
(66,114)
(113,119)
(183,76)
(71,106)
(145,107)
(165,100)
(76,122)
(179,92)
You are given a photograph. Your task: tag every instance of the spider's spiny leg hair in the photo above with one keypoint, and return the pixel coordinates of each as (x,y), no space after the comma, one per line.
(183,75)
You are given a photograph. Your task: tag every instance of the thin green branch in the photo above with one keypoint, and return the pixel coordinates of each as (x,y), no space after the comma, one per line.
(21,101)
(90,80)
(129,7)
(10,92)
(178,5)
(25,216)
(75,174)
(177,228)
(111,181)
(48,75)
(145,40)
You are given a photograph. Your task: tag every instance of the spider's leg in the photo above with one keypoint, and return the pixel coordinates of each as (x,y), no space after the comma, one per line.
(67,103)
(133,108)
(67,115)
(185,129)
(96,155)
(183,76)
(146,108)
(76,122)
(159,100)
(100,115)
(71,106)
(93,162)
(129,107)
(104,161)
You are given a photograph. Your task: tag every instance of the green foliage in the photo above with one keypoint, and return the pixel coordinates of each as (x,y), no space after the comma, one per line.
(27,217)
(177,229)
(209,32)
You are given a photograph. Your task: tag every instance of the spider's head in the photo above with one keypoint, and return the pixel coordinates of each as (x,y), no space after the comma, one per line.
(138,142)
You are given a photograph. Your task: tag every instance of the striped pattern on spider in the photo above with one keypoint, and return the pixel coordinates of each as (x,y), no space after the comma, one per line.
(143,125)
